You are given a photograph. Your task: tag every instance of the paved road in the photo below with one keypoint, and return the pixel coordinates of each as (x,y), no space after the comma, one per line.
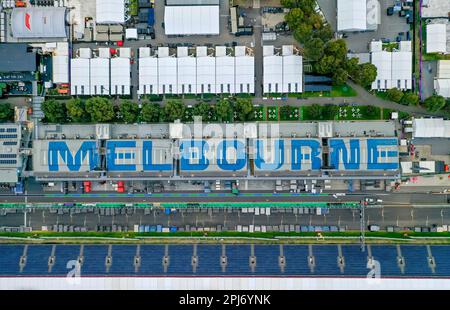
(383,216)
(255,197)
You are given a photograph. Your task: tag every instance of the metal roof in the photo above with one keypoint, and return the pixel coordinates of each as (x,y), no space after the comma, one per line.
(38,22)
(16,58)
(190,20)
(110,11)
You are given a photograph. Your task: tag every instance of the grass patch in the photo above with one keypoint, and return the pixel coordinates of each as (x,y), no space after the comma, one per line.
(272,113)
(129,237)
(358,113)
(336,91)
(258,114)
(343,91)
(434,56)
(293,114)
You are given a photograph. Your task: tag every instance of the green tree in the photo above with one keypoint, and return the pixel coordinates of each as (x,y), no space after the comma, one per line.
(315,112)
(394,94)
(100,109)
(129,111)
(364,74)
(314,49)
(340,76)
(410,98)
(76,110)
(202,109)
(435,103)
(6,112)
(244,109)
(151,112)
(54,111)
(223,110)
(173,110)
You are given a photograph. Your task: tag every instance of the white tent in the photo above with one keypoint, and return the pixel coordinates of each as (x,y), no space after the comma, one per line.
(60,66)
(120,76)
(191,20)
(110,11)
(437,38)
(206,72)
(442,87)
(167,75)
(431,128)
(394,69)
(383,61)
(148,75)
(187,76)
(292,74)
(351,15)
(245,71)
(79,77)
(444,69)
(99,76)
(225,75)
(273,74)
(402,70)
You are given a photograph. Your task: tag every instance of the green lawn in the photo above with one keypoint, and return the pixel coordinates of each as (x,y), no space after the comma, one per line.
(294,115)
(270,236)
(272,113)
(337,91)
(259,114)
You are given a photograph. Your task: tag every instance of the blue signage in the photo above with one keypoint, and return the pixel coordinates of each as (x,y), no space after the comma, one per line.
(227,155)
(59,150)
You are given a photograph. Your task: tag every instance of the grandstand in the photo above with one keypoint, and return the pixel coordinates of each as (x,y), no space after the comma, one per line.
(246,260)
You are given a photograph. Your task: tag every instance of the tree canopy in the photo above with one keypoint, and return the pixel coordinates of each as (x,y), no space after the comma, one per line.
(173,110)
(100,109)
(54,111)
(151,112)
(435,103)
(6,112)
(129,111)
(76,110)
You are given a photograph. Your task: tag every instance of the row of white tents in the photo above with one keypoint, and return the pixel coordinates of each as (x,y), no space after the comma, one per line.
(225,72)
(101,75)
